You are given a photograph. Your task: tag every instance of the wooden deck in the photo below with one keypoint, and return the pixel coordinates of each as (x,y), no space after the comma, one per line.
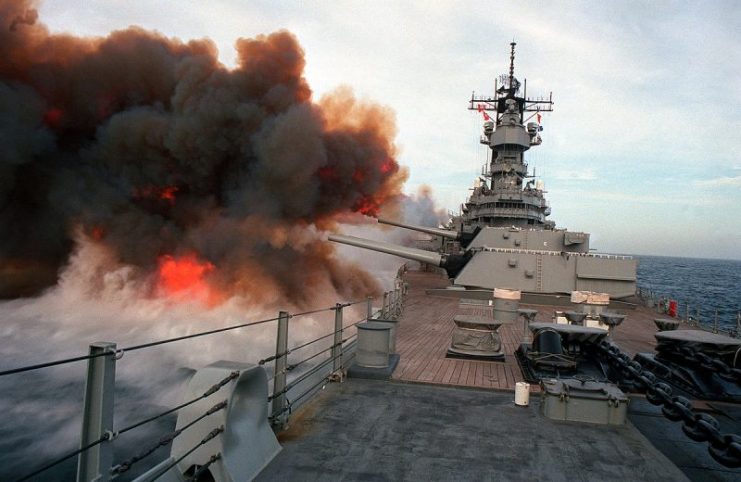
(426,325)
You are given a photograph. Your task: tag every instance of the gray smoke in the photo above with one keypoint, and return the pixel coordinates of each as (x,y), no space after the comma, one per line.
(152,147)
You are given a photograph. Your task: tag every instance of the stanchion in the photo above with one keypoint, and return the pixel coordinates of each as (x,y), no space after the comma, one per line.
(97,418)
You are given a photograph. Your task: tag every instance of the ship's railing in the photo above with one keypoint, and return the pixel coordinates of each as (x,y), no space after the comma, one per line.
(95,452)
(554,253)
(481,211)
(608,256)
(691,315)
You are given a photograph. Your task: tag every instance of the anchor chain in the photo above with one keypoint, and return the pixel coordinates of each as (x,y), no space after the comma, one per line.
(700,427)
(706,362)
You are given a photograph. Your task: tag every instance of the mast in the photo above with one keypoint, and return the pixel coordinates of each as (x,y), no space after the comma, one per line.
(502,199)
(512,63)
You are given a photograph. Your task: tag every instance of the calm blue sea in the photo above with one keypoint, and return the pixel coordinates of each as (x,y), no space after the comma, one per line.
(704,284)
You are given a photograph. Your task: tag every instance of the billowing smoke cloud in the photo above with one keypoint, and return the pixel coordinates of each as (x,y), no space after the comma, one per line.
(188,171)
(420,209)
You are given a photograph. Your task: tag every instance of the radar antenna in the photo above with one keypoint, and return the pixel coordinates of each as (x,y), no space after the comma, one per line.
(506,87)
(512,65)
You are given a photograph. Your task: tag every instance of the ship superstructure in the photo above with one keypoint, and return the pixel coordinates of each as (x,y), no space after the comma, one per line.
(506,194)
(502,238)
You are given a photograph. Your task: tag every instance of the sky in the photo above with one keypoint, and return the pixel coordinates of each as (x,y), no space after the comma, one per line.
(643,149)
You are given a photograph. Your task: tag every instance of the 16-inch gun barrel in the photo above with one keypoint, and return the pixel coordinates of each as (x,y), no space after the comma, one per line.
(433,231)
(420,255)
(452,263)
(465,238)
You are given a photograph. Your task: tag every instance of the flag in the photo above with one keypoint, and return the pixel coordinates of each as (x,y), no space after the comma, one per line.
(480,108)
(538,118)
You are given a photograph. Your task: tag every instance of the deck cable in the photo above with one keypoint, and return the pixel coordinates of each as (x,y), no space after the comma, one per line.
(120,351)
(203,468)
(291,367)
(211,435)
(124,466)
(290,405)
(331,308)
(196,335)
(304,345)
(295,348)
(54,363)
(213,389)
(106,436)
(112,435)
(299,363)
(309,373)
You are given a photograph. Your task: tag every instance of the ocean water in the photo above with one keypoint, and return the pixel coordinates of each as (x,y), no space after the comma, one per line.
(703,285)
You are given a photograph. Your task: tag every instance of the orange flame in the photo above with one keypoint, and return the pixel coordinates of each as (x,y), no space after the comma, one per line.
(367,205)
(168,193)
(185,275)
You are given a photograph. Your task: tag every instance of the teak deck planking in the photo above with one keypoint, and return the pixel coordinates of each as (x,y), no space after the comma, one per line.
(426,325)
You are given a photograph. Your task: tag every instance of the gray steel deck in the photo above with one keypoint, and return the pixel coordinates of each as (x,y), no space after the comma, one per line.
(376,430)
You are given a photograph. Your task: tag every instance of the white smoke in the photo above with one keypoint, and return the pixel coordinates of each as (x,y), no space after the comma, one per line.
(99,299)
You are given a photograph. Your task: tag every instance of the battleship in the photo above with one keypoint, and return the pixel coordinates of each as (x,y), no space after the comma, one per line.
(502,237)
(510,352)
